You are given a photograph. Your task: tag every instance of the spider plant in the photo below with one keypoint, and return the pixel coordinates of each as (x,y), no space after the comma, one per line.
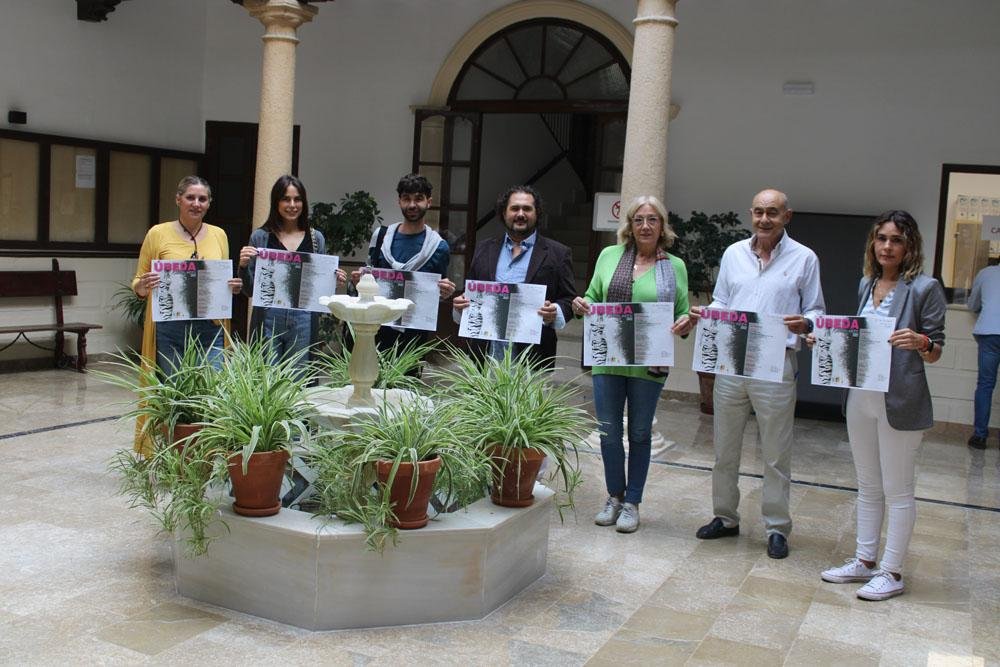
(131,306)
(258,404)
(163,398)
(512,403)
(395,366)
(346,483)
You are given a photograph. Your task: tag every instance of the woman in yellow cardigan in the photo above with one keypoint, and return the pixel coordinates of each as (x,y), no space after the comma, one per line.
(188,237)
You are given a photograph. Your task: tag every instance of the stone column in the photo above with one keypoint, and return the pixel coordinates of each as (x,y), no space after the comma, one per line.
(281,19)
(645,167)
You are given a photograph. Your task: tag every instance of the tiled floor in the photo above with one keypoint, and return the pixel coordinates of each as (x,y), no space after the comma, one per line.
(86,580)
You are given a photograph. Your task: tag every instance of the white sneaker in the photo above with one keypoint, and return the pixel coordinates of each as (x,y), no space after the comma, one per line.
(609,515)
(881,587)
(628,520)
(852,570)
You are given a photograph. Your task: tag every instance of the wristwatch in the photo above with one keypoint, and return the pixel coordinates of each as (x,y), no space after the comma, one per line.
(809,325)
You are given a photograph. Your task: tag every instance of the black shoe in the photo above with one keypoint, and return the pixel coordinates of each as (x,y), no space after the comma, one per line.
(715,529)
(777,546)
(977,443)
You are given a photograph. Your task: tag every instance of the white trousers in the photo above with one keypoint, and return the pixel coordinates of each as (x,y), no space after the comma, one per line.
(774,404)
(884,460)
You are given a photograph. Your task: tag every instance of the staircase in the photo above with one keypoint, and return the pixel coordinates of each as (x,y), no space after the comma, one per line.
(570,224)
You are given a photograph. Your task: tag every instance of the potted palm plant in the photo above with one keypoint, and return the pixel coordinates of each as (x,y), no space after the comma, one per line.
(257,412)
(519,416)
(383,471)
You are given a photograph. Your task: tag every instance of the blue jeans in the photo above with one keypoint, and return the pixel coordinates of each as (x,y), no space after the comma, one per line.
(290,332)
(171,337)
(989,360)
(610,394)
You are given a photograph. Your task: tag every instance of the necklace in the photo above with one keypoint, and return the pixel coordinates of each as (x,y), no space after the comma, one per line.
(194,240)
(880,290)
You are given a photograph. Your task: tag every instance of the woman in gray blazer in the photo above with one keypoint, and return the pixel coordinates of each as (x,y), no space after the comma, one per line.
(885,429)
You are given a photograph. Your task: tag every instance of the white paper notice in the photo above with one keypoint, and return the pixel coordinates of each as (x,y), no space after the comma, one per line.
(293,280)
(419,287)
(86,172)
(852,352)
(192,289)
(503,311)
(740,342)
(628,334)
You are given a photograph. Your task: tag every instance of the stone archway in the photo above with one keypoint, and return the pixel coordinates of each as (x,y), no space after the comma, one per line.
(519,12)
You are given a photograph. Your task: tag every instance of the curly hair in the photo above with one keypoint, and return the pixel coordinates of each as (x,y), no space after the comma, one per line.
(412,184)
(505,196)
(913,260)
(667,235)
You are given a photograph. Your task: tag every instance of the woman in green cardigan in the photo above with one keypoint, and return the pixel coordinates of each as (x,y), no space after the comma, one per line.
(636,269)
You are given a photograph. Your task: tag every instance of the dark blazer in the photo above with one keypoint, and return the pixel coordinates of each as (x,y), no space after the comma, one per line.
(551,265)
(918,304)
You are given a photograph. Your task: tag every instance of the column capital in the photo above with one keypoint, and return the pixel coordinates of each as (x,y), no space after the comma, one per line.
(656,11)
(281,18)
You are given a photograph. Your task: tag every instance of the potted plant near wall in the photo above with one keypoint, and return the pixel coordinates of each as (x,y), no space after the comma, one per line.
(701,241)
(383,471)
(256,414)
(346,226)
(519,416)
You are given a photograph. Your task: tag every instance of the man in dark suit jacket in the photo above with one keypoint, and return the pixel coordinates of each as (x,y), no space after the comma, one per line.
(522,255)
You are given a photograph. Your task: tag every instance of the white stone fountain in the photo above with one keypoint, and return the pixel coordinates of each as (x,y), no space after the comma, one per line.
(366,313)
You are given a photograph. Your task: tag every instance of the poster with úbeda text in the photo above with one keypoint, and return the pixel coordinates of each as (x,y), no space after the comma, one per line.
(503,311)
(628,334)
(293,280)
(740,342)
(419,287)
(852,352)
(192,289)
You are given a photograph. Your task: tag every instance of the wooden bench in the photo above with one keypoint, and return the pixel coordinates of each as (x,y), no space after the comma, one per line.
(54,283)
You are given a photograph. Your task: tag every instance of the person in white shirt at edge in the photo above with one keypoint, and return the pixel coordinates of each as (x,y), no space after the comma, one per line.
(767,273)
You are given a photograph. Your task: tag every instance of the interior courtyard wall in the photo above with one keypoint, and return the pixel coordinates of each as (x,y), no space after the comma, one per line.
(136,78)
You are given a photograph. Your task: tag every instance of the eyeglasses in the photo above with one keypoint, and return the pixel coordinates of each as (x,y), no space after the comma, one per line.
(648,220)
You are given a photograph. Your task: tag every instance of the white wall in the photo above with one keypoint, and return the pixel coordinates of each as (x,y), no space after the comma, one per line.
(902,86)
(136,78)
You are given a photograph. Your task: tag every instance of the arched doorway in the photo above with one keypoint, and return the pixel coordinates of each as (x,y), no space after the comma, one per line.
(541,101)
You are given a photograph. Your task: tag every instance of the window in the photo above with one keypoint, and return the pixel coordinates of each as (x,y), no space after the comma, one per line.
(968,237)
(79,196)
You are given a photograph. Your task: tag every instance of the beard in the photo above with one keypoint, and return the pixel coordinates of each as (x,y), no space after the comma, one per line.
(411,215)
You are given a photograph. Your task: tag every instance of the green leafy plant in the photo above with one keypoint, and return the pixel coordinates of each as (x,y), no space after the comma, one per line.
(348,224)
(163,398)
(513,403)
(394,366)
(259,403)
(412,432)
(701,240)
(131,306)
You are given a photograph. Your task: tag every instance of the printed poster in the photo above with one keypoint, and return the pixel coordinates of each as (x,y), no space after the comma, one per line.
(740,342)
(293,280)
(419,287)
(192,289)
(628,334)
(503,311)
(852,352)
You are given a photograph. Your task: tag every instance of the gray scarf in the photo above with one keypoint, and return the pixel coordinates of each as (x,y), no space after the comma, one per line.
(431,242)
(620,287)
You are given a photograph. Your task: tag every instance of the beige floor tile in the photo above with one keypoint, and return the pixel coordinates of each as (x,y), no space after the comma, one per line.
(747,621)
(930,622)
(668,623)
(692,595)
(632,648)
(904,650)
(716,651)
(160,628)
(784,597)
(825,621)
(810,652)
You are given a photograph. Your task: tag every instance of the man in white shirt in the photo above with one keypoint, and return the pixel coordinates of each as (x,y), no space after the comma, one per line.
(767,273)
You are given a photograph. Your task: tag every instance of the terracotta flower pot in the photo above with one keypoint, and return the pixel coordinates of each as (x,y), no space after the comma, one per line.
(257,491)
(412,514)
(182,431)
(514,479)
